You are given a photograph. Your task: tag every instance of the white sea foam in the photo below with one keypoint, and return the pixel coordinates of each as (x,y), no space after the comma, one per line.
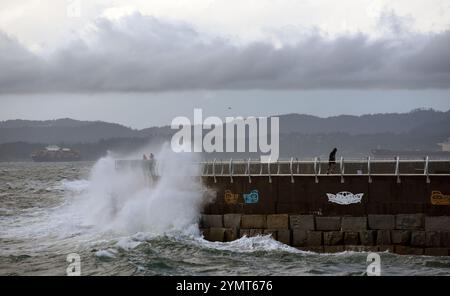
(127,208)
(76,186)
(109,253)
(127,244)
(250,245)
(128,201)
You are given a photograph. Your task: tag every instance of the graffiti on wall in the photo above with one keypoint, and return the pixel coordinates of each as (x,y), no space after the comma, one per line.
(233,198)
(252,197)
(439,199)
(345,198)
(230,197)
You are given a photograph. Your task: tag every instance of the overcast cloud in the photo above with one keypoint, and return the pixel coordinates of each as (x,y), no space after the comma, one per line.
(140,53)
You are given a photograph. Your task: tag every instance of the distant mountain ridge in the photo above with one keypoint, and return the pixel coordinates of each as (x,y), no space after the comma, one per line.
(74,131)
(300,135)
(364,124)
(63,122)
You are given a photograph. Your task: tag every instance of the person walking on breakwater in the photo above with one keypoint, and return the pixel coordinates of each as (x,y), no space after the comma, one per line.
(151,159)
(332,161)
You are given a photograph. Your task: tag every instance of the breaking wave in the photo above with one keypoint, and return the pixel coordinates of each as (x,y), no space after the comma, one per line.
(130,201)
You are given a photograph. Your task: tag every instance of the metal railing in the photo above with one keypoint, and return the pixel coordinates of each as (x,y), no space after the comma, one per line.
(318,168)
(369,168)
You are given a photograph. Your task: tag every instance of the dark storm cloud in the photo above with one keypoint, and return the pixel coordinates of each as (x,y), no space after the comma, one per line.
(140,54)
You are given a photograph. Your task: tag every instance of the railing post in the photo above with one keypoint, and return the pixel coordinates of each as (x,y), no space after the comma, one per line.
(320,165)
(221,165)
(291,168)
(248,171)
(231,170)
(268,171)
(214,170)
(205,168)
(397,169)
(298,166)
(315,170)
(369,170)
(427,169)
(342,169)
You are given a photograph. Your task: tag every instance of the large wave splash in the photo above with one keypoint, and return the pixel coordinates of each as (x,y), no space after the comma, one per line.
(128,201)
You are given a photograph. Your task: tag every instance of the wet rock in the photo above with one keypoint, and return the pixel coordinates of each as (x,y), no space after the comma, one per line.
(209,221)
(253,221)
(401,237)
(333,249)
(405,250)
(418,238)
(244,232)
(256,232)
(384,237)
(280,221)
(351,238)
(302,222)
(231,234)
(409,221)
(437,252)
(314,238)
(232,220)
(354,223)
(299,237)
(433,239)
(441,223)
(333,238)
(367,237)
(381,222)
(328,223)
(271,232)
(216,234)
(284,236)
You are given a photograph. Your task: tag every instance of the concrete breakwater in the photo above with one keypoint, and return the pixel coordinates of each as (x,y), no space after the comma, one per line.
(373,205)
(406,234)
(409,216)
(329,196)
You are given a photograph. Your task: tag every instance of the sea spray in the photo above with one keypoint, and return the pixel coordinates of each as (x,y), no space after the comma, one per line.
(128,201)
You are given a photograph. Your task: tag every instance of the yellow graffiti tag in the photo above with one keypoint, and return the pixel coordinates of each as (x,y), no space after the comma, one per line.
(439,199)
(231,198)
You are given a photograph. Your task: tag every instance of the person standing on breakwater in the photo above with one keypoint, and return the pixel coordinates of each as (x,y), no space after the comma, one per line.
(151,159)
(332,161)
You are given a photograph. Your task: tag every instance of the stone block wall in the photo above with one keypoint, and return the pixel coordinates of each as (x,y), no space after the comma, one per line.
(405,234)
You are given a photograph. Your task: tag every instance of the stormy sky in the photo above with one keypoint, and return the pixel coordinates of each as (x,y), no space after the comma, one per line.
(141,64)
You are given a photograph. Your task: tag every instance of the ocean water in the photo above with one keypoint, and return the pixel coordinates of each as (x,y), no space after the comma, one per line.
(120,223)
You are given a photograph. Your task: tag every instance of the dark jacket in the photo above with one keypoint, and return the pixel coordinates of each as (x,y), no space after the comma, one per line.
(333,156)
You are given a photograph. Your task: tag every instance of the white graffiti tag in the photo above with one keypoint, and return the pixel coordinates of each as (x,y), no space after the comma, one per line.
(345,198)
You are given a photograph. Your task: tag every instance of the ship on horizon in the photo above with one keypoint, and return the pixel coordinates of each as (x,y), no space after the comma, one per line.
(55,153)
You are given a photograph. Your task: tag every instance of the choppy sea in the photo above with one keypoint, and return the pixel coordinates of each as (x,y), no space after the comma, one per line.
(119,224)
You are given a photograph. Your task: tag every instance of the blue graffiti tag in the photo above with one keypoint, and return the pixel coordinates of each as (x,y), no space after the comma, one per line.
(252,197)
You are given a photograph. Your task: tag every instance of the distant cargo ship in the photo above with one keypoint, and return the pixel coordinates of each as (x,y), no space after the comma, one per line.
(56,154)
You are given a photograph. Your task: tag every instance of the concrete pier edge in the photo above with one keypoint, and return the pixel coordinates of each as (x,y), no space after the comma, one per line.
(404,234)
